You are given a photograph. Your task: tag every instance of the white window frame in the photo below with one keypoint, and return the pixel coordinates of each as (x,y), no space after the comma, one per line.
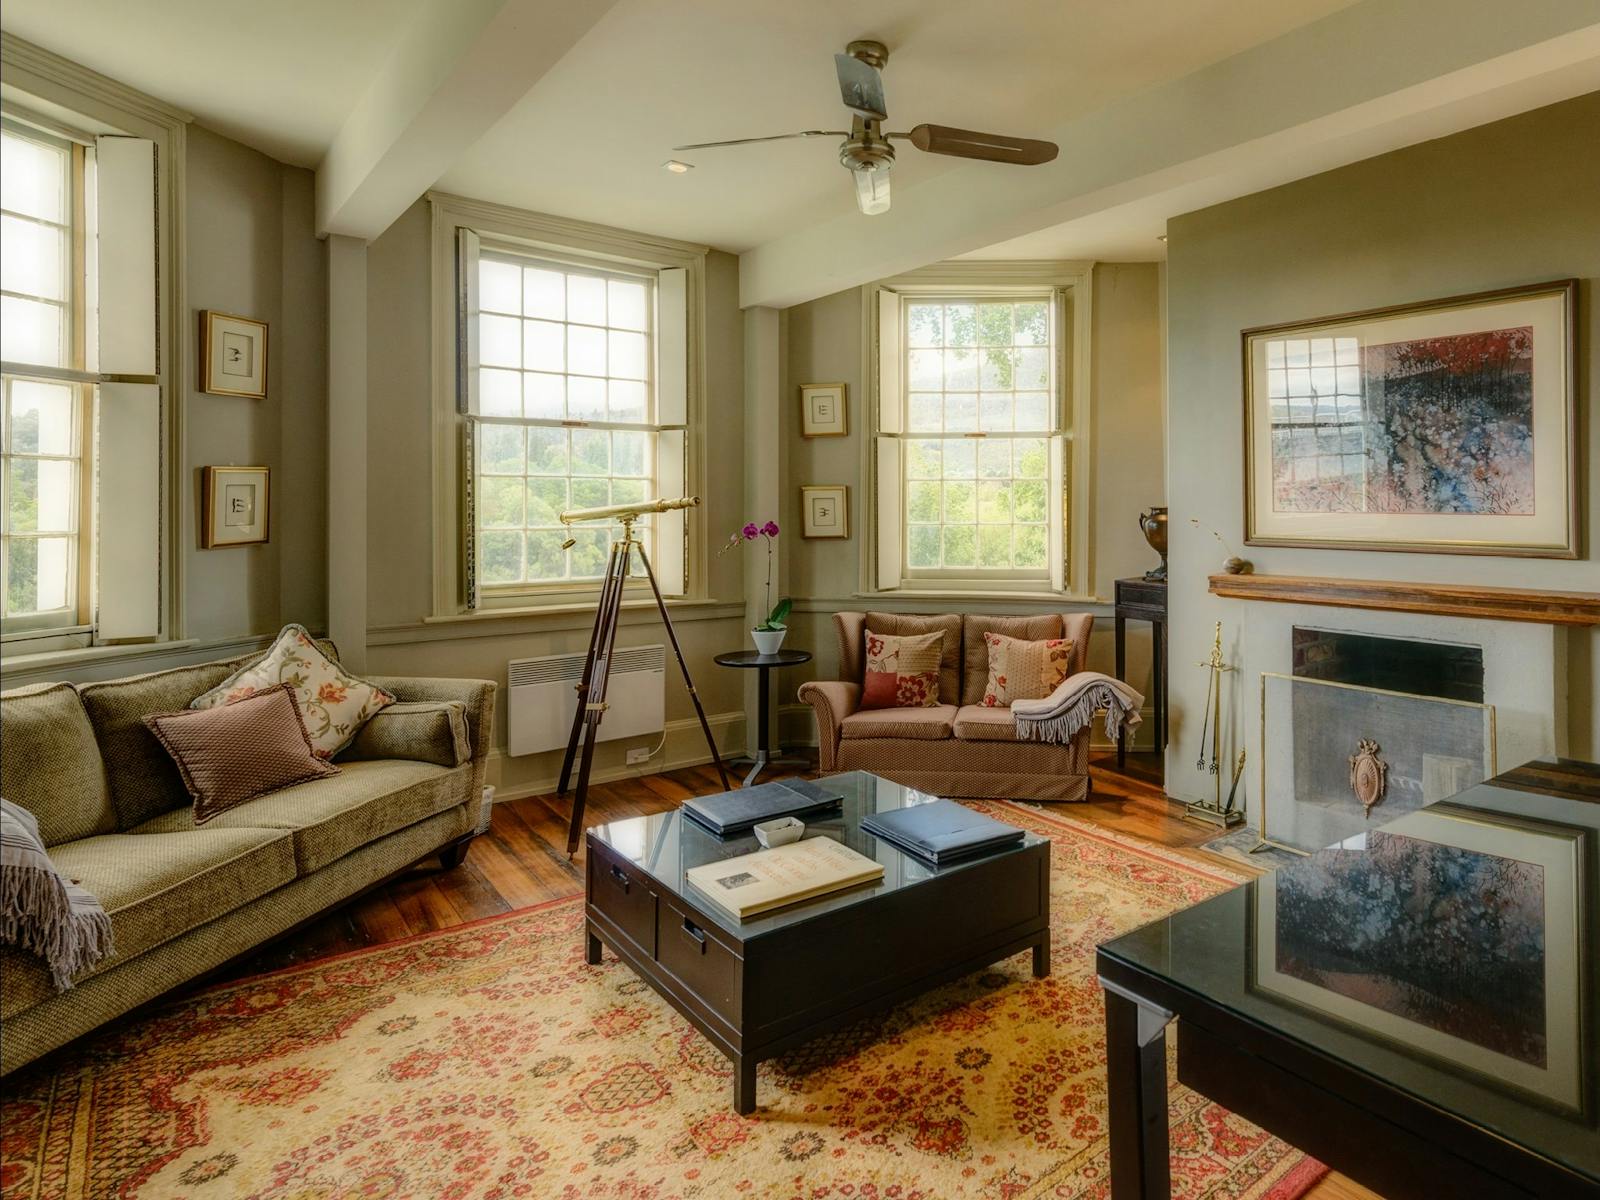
(58,96)
(577,244)
(882,565)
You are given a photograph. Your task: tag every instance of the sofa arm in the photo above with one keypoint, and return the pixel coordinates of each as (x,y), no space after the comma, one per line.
(832,701)
(432,731)
(476,695)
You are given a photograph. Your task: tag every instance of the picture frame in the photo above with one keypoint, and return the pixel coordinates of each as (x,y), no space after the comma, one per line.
(1478,1023)
(1446,427)
(235,506)
(824,410)
(233,355)
(825,511)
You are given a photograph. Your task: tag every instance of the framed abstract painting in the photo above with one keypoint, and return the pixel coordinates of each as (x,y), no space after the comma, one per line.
(1448,427)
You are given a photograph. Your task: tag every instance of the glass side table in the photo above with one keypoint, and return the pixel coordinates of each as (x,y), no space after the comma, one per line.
(752,660)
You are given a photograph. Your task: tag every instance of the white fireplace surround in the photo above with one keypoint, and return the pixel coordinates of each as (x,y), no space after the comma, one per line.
(1524,678)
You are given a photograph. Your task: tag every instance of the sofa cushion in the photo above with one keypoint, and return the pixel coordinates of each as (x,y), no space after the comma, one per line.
(901,672)
(158,886)
(144,779)
(979,723)
(432,731)
(922,724)
(903,624)
(240,751)
(1020,670)
(331,817)
(975,653)
(51,763)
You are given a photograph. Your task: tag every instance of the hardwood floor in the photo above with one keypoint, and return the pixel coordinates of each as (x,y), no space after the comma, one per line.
(522,861)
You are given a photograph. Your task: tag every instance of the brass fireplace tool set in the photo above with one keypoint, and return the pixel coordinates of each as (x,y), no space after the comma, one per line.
(1216,811)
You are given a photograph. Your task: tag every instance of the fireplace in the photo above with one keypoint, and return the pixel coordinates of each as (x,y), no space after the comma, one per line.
(1366,729)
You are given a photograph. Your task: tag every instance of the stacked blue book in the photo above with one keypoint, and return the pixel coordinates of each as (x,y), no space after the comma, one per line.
(737,811)
(941,831)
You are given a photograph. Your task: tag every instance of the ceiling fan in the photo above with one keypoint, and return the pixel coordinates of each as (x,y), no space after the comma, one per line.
(867,151)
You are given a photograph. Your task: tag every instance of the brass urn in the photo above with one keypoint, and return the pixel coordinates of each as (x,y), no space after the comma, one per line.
(1153,524)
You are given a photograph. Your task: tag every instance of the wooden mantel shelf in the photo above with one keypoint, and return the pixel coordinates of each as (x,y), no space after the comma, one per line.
(1441,599)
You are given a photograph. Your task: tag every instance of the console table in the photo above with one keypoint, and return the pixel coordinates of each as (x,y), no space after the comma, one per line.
(1141,599)
(1416,1075)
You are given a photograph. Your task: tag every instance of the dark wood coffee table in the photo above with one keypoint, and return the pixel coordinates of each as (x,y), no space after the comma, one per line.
(758,987)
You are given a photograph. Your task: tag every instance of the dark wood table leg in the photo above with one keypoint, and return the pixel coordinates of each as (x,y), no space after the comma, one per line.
(1136,1084)
(1041,957)
(744,1085)
(1158,680)
(591,949)
(1122,663)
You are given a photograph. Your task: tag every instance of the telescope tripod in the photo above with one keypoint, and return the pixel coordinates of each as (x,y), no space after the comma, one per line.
(597,672)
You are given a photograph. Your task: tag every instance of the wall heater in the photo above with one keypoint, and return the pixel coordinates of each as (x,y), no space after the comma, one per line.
(543,698)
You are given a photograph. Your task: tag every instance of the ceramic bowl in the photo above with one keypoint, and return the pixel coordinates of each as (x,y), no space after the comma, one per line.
(780,832)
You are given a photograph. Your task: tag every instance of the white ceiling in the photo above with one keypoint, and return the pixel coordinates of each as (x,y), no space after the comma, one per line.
(279,75)
(589,139)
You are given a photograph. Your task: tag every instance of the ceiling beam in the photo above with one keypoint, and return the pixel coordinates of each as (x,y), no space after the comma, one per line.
(1368,79)
(459,67)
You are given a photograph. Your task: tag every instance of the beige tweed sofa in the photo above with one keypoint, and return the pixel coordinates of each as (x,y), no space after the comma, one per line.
(113,813)
(959,748)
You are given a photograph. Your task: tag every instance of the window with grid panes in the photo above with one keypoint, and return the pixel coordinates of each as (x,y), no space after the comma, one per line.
(1318,421)
(980,409)
(566,415)
(43,442)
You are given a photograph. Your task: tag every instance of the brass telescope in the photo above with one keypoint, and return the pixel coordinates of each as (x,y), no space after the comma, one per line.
(628,512)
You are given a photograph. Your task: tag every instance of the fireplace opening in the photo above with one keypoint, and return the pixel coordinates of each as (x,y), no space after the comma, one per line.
(1449,670)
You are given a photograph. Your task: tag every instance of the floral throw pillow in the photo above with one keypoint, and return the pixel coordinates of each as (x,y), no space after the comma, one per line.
(902,672)
(1020,670)
(333,704)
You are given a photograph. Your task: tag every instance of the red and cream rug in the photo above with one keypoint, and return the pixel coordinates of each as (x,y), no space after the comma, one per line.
(490,1062)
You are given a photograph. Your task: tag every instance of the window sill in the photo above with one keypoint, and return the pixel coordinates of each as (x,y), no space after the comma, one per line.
(546,618)
(46,660)
(993,596)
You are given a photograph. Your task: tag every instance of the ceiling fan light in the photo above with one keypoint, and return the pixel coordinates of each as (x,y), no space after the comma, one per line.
(872,190)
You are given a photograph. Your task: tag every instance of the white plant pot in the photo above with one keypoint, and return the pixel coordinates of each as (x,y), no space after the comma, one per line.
(768,641)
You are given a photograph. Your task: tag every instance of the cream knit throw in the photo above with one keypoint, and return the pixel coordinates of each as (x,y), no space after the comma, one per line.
(40,910)
(1061,714)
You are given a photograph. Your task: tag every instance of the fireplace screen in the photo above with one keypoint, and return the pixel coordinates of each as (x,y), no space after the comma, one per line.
(1338,759)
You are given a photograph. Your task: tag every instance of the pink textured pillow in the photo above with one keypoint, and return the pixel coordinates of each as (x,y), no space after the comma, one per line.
(239,751)
(902,672)
(1020,670)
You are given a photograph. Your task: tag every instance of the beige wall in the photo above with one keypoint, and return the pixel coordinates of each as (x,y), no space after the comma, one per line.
(250,250)
(824,345)
(400,531)
(1510,203)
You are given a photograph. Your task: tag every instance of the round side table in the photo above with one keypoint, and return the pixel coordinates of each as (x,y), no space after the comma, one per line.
(753,660)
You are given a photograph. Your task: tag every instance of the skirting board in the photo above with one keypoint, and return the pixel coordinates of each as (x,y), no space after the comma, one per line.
(685,747)
(797,726)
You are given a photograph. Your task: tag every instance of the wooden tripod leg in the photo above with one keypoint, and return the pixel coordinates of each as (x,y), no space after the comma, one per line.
(585,679)
(672,636)
(594,706)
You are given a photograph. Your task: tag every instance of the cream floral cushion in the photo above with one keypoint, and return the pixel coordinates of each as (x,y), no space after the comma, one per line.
(334,705)
(1021,670)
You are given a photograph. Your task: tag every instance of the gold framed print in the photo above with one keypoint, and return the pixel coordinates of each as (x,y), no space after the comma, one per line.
(1448,427)
(824,409)
(234,506)
(233,355)
(825,511)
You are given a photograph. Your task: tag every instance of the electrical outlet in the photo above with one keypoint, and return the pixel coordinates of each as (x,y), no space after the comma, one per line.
(639,754)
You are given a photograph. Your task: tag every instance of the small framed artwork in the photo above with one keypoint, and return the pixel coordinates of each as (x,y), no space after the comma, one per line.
(1449,426)
(234,506)
(824,409)
(233,355)
(825,511)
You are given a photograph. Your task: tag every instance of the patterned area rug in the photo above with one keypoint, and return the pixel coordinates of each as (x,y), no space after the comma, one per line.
(489,1062)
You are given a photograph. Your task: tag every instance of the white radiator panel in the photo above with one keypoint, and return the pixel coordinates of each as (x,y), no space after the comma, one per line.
(543,698)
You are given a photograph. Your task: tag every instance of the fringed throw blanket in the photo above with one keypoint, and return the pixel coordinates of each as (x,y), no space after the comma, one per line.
(1059,716)
(42,912)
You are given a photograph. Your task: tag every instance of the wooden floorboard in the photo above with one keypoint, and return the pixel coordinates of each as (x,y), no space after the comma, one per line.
(523,861)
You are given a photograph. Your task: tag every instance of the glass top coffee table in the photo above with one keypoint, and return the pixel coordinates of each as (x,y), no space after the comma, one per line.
(759,986)
(1415,1006)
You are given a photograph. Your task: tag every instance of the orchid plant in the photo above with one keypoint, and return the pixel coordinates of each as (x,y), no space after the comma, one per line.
(776,613)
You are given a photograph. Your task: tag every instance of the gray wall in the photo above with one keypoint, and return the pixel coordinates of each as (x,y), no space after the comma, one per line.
(824,346)
(250,250)
(401,638)
(1510,203)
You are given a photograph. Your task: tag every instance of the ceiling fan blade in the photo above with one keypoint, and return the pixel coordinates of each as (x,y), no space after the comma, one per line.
(776,137)
(969,143)
(860,87)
